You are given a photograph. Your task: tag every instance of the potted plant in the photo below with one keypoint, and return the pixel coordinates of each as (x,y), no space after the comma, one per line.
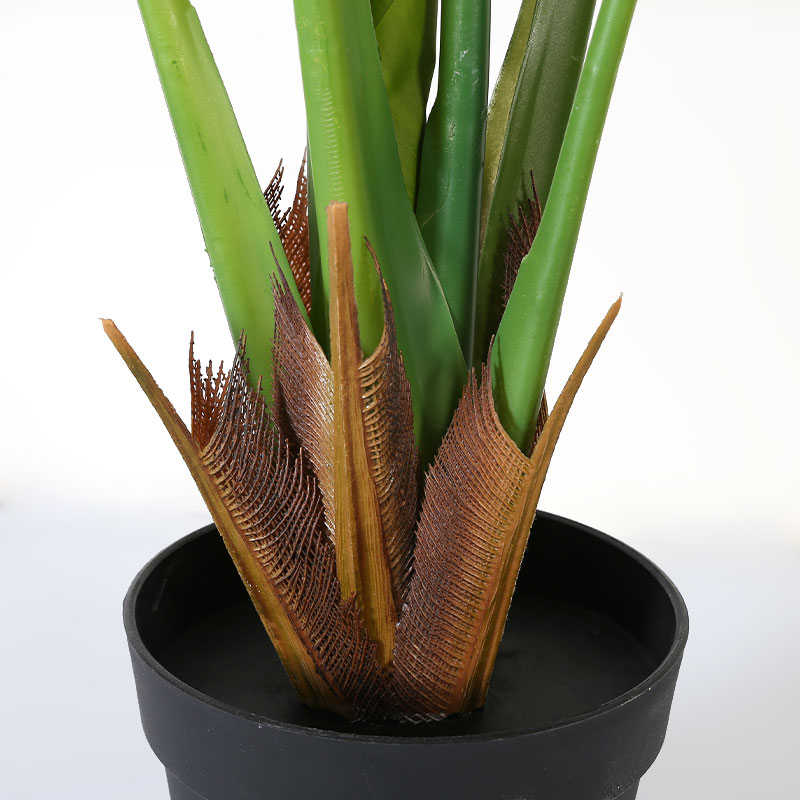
(374,456)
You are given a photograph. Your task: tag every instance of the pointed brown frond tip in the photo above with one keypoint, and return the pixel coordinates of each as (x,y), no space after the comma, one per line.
(480,500)
(292,226)
(267,507)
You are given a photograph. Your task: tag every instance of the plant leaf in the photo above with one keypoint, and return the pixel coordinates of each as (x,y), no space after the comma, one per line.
(451,164)
(532,133)
(319,287)
(480,500)
(406,34)
(354,158)
(521,234)
(266,506)
(236,224)
(525,337)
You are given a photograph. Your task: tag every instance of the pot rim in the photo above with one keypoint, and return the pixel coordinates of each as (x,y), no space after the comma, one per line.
(670,661)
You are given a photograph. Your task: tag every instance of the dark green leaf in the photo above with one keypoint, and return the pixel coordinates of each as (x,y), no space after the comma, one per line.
(451,168)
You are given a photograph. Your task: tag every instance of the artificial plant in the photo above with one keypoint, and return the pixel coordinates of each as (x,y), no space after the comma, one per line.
(374,457)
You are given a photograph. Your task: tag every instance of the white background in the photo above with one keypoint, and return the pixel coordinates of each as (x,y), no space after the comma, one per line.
(684,441)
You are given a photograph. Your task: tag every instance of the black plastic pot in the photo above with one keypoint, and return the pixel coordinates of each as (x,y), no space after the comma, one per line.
(577,708)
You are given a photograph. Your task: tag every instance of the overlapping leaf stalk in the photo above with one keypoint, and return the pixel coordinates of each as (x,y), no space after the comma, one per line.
(384,593)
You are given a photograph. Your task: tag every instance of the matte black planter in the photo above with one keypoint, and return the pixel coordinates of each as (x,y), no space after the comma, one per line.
(577,708)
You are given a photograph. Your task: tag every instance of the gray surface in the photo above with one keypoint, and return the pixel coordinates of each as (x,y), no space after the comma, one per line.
(684,440)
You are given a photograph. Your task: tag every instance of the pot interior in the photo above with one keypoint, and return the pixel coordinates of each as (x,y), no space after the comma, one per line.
(590,621)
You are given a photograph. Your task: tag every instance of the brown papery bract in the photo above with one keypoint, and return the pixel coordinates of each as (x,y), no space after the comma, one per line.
(265,502)
(382,421)
(302,382)
(480,500)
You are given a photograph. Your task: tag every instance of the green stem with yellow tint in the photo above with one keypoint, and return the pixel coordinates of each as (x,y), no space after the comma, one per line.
(236,223)
(525,337)
(527,119)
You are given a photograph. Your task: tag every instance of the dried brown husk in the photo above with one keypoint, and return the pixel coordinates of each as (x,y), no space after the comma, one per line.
(355,423)
(303,392)
(303,408)
(303,548)
(362,560)
(480,501)
(389,426)
(267,507)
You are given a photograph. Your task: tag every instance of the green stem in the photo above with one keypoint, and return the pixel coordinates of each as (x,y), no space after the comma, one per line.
(354,159)
(236,224)
(524,343)
(451,166)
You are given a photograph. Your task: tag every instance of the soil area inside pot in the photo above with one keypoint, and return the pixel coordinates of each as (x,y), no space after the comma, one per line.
(557,660)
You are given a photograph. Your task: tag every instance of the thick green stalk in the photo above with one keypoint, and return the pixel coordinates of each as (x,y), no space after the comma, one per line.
(406,33)
(532,133)
(451,165)
(236,224)
(524,344)
(354,159)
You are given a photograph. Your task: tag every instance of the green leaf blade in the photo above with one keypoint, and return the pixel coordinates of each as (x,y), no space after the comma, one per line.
(354,159)
(525,337)
(237,227)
